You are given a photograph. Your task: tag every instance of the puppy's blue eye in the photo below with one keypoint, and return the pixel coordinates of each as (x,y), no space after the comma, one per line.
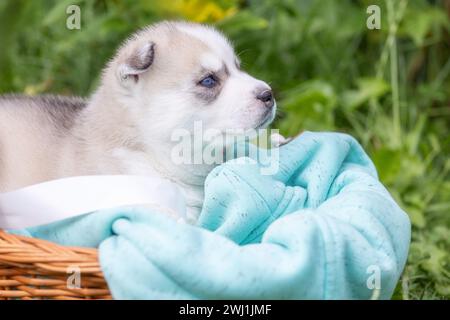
(208,82)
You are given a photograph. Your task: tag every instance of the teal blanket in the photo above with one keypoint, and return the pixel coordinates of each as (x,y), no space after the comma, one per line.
(321,227)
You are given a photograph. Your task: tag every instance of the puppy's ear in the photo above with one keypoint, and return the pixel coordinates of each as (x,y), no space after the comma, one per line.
(137,63)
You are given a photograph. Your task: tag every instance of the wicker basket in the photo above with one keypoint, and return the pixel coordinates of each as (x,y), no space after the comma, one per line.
(37,269)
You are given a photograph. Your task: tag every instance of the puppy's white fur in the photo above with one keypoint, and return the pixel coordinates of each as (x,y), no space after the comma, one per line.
(150,88)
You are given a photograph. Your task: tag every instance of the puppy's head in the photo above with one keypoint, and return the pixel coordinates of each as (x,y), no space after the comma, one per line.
(173,74)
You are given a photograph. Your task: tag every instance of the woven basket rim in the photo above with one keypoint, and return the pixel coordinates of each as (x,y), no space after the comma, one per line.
(32,268)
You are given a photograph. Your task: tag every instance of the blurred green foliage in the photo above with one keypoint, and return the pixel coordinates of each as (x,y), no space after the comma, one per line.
(390,88)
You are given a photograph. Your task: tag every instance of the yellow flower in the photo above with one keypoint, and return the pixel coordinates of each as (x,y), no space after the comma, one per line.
(34,89)
(200,10)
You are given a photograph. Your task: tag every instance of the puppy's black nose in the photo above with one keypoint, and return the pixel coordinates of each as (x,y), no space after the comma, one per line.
(266,96)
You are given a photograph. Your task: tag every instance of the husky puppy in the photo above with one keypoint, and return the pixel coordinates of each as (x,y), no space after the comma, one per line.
(164,77)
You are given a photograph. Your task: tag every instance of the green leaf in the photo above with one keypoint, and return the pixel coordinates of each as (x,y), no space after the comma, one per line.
(242,21)
(58,13)
(417,217)
(388,164)
(311,104)
(418,23)
(367,88)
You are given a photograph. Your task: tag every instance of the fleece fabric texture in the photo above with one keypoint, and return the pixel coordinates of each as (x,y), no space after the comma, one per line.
(322,226)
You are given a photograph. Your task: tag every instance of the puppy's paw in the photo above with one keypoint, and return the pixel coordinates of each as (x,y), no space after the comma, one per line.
(277,140)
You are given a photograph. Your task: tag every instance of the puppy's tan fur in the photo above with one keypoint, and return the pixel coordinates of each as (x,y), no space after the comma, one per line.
(147,90)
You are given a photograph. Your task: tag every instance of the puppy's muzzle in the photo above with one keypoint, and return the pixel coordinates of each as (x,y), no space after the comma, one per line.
(266,96)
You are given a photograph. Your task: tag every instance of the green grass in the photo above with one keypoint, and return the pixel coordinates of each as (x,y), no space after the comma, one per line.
(390,88)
